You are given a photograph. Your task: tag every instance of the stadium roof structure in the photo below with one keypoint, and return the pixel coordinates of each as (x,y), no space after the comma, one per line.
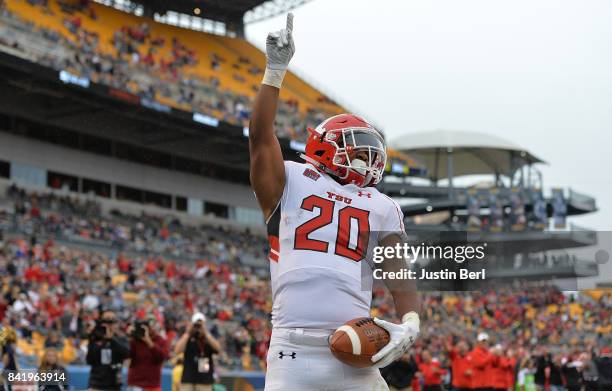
(271,8)
(469,152)
(236,11)
(208,7)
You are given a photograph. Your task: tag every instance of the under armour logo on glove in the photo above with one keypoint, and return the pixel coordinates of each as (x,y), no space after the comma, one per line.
(281,355)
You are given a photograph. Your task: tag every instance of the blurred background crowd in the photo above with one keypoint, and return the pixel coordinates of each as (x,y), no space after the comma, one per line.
(63,261)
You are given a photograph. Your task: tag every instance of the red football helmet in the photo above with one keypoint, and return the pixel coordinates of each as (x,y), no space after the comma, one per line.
(349,148)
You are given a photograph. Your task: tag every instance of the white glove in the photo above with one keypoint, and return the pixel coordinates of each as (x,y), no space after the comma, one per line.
(402,337)
(279,50)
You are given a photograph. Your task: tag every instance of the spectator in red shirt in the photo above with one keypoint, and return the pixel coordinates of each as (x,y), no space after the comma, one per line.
(499,369)
(148,350)
(510,369)
(461,365)
(431,371)
(151,267)
(481,361)
(124,263)
(3,307)
(33,273)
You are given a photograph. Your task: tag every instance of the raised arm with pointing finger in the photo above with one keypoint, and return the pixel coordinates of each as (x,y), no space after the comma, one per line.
(321,217)
(267,168)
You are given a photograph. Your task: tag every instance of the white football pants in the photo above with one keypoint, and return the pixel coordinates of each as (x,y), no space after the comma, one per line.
(300,360)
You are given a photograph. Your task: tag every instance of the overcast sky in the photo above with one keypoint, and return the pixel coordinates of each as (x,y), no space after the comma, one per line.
(538,73)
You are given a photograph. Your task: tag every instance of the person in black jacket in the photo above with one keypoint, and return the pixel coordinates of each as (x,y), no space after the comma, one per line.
(556,377)
(198,346)
(105,354)
(548,370)
(541,363)
(572,373)
(603,361)
(399,374)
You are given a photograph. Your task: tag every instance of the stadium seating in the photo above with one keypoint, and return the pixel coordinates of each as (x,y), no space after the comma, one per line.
(231,65)
(40,232)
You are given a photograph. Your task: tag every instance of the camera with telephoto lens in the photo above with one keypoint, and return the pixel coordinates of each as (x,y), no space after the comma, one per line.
(198,329)
(99,330)
(139,329)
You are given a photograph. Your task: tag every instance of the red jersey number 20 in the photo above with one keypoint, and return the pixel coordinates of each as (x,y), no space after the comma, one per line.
(347,216)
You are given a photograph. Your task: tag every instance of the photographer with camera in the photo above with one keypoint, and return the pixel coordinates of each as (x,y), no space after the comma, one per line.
(148,351)
(106,353)
(198,346)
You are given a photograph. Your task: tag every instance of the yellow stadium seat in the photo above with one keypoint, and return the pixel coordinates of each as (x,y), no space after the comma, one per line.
(118,279)
(68,353)
(25,347)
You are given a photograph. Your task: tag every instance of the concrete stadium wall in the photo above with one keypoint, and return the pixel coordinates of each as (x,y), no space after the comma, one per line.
(88,165)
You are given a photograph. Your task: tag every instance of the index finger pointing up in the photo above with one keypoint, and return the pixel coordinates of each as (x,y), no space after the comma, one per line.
(289,23)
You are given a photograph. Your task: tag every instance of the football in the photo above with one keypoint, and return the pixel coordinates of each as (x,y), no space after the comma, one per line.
(355,342)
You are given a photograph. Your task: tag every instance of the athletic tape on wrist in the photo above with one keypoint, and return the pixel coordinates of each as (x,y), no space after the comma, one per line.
(411,317)
(274,77)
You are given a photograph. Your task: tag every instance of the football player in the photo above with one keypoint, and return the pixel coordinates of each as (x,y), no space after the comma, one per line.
(322,216)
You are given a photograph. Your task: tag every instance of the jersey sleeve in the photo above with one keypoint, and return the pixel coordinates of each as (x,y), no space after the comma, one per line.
(393,222)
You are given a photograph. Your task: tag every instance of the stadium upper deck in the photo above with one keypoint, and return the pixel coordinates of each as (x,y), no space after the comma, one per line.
(234,63)
(165,68)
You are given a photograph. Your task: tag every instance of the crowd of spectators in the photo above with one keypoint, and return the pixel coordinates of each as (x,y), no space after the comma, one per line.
(72,219)
(531,336)
(54,286)
(525,338)
(51,286)
(140,64)
(51,294)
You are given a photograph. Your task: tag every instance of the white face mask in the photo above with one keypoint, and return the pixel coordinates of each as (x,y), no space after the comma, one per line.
(355,141)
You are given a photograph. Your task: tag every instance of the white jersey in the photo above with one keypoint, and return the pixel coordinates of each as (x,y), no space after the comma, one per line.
(321,237)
